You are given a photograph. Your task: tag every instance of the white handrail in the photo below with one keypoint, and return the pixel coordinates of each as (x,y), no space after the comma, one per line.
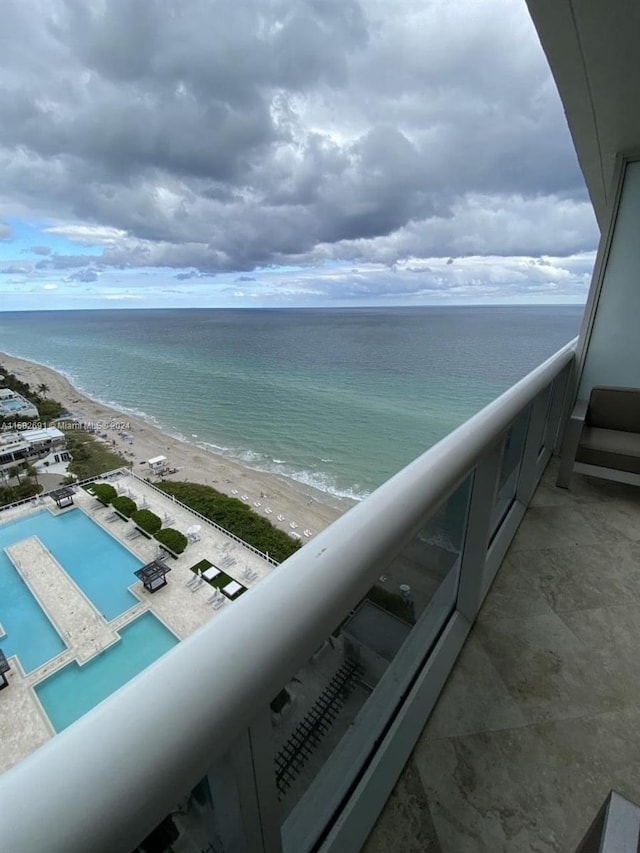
(107,780)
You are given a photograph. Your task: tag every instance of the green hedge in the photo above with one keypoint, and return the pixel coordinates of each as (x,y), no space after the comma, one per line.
(173,539)
(104,492)
(124,505)
(235,516)
(146,520)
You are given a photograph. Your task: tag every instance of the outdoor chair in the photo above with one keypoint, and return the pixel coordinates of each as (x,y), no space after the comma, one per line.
(602,438)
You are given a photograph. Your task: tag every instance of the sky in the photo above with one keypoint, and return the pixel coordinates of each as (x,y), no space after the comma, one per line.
(281,153)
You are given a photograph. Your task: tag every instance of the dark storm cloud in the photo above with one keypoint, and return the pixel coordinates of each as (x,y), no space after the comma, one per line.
(225,136)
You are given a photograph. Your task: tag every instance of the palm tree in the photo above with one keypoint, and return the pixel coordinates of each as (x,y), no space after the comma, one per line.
(14,472)
(32,471)
(43,389)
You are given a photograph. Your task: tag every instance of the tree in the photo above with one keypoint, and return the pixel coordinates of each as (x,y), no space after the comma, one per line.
(14,473)
(32,471)
(43,389)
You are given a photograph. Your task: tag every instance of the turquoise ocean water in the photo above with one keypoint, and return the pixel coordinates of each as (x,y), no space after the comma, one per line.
(339,399)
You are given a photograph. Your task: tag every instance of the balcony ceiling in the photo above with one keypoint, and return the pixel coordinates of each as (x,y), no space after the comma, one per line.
(592,48)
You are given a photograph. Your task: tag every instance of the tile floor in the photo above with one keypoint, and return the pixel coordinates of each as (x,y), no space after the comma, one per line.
(540,717)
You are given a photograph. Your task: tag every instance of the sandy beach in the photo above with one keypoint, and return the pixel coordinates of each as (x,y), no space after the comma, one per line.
(290,503)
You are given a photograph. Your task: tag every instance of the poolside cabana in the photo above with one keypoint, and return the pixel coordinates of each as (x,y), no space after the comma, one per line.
(4,668)
(153,575)
(63,497)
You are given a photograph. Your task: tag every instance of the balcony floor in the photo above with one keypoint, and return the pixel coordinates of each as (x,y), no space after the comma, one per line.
(540,717)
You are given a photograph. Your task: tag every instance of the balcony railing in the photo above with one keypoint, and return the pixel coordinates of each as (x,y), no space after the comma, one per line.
(198,735)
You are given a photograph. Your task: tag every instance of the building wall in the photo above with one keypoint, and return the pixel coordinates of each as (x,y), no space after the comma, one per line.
(613,355)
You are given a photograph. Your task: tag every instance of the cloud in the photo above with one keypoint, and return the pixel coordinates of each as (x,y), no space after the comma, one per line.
(41,250)
(15,269)
(298,133)
(6,231)
(244,278)
(83,275)
(91,234)
(185,276)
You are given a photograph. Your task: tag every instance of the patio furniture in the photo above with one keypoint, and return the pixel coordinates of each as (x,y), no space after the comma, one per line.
(232,589)
(602,438)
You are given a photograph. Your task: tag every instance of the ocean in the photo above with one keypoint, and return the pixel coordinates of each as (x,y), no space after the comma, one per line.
(339,399)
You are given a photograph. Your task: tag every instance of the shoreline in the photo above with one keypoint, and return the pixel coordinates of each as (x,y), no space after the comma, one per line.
(305,506)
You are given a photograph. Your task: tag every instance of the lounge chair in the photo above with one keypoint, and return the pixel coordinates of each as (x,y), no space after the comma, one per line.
(167,519)
(133,534)
(220,600)
(192,580)
(199,582)
(602,438)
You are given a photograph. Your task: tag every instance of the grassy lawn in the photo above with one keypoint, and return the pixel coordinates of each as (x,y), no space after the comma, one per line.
(90,456)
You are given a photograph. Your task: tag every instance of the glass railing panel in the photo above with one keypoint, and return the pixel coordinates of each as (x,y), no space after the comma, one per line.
(551,391)
(512,451)
(348,691)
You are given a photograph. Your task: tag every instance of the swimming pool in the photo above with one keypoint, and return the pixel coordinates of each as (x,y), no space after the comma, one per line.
(11,405)
(98,563)
(100,566)
(29,633)
(72,691)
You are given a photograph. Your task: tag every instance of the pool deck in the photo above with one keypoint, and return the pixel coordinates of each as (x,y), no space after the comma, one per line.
(23,724)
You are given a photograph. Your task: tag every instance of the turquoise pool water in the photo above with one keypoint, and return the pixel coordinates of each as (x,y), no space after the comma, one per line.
(74,690)
(99,565)
(29,634)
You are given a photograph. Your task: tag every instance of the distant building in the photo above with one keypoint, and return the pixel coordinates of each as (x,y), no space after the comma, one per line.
(13,404)
(42,448)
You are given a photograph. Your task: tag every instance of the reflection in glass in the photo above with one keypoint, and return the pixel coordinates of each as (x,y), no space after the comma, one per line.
(192,825)
(348,691)
(512,451)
